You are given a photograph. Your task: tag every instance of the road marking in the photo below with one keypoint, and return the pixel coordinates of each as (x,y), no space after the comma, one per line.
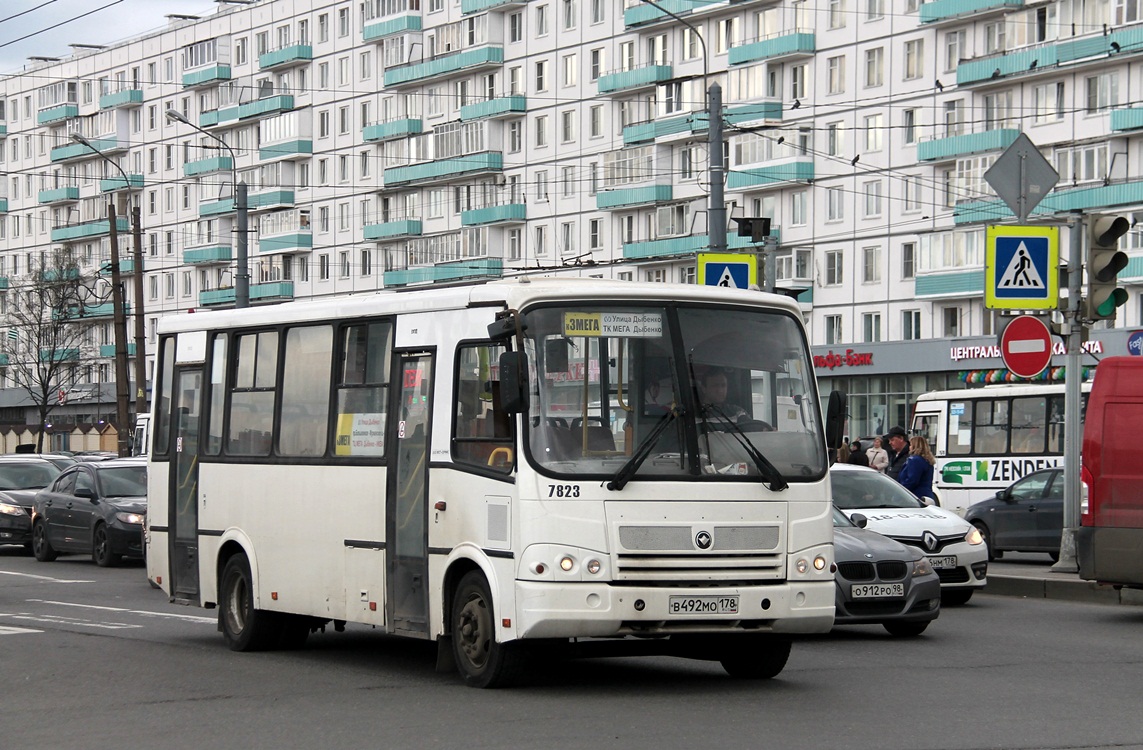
(58,620)
(141,612)
(42,578)
(16,631)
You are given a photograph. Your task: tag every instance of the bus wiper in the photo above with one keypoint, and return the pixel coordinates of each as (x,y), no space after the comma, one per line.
(640,454)
(768,471)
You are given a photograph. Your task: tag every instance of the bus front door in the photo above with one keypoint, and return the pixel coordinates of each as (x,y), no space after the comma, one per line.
(407,497)
(184,486)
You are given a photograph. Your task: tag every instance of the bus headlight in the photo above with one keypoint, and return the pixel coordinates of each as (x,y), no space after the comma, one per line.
(974,536)
(567,563)
(594,566)
(560,562)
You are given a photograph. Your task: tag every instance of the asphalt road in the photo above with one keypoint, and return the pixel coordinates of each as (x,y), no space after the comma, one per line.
(96,658)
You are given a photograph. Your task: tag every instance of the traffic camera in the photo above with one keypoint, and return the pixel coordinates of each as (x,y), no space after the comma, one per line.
(1104,262)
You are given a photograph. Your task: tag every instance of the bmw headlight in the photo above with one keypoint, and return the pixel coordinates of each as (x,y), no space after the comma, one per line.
(921,567)
(11,510)
(974,536)
(131,518)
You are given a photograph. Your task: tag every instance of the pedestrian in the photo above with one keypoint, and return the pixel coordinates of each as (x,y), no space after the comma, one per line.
(917,474)
(898,451)
(857,456)
(878,458)
(843,454)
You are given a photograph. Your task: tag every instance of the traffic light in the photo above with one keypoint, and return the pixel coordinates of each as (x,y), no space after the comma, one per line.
(1104,262)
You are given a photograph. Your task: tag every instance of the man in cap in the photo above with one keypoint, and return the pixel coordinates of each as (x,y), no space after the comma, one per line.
(898,451)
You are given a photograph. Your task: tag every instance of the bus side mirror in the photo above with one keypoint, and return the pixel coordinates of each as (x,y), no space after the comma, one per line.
(514,382)
(835,420)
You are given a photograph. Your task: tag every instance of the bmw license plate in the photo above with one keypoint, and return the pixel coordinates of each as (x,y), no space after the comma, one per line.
(703,605)
(877,590)
(948,561)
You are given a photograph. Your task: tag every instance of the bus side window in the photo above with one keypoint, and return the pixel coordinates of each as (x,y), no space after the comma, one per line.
(483,433)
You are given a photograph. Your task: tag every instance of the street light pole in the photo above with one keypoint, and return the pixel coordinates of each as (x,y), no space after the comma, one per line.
(137,260)
(122,414)
(241,224)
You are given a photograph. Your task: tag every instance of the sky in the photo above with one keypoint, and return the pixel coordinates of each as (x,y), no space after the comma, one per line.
(51,25)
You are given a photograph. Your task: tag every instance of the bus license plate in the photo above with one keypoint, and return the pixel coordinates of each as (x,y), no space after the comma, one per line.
(948,561)
(877,590)
(703,605)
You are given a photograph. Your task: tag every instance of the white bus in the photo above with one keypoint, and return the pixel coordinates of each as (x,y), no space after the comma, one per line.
(986,438)
(498,466)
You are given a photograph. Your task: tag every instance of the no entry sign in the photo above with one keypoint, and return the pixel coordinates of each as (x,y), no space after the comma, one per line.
(1026,346)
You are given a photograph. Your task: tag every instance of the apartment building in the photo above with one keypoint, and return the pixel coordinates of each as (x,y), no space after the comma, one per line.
(389,143)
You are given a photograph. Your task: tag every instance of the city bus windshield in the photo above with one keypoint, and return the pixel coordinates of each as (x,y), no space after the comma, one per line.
(692,391)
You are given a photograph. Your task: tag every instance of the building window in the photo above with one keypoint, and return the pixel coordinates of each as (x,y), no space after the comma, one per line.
(954,49)
(1048,102)
(798,209)
(914,61)
(910,125)
(951,318)
(595,234)
(874,67)
(323,267)
(541,131)
(1102,91)
(871,264)
(872,191)
(833,329)
(542,76)
(837,14)
(911,325)
(516,27)
(871,327)
(833,268)
(908,260)
(836,69)
(835,208)
(596,120)
(835,138)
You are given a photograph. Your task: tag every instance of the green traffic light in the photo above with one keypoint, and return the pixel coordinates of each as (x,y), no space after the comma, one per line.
(1106,308)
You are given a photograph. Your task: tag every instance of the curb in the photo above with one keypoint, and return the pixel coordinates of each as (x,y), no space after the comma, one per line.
(1063,589)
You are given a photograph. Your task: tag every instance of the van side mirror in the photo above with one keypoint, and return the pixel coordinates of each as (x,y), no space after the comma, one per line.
(514,382)
(835,420)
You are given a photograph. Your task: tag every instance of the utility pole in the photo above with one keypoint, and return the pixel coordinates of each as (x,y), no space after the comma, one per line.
(140,322)
(1073,427)
(119,326)
(717,171)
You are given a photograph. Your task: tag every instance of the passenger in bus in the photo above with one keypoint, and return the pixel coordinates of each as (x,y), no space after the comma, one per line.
(917,474)
(898,451)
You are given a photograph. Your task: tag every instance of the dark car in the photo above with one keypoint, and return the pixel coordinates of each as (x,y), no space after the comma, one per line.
(94,507)
(21,477)
(880,581)
(1026,516)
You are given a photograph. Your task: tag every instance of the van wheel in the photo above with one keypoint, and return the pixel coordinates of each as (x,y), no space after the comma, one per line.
(245,628)
(481,661)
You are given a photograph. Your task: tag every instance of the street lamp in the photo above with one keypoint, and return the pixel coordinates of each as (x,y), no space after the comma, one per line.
(242,273)
(137,260)
(122,412)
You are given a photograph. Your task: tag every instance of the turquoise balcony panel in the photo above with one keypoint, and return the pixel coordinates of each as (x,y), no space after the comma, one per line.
(736,242)
(59,195)
(499,107)
(377,30)
(124,98)
(271,198)
(302,147)
(89,229)
(941,149)
(392,229)
(271,105)
(205,76)
(274,291)
(81,151)
(445,168)
(55,274)
(648,75)
(1074,199)
(126,266)
(783,45)
(108,350)
(474,268)
(111,184)
(70,354)
(4,362)
(3,205)
(477,6)
(768,110)
(105,310)
(1017,61)
(1133,271)
(1129,40)
(213,254)
(295,53)
(506,214)
(952,284)
(57,113)
(1127,119)
(644,132)
(384,131)
(643,14)
(666,247)
(286,243)
(466,59)
(942,10)
(796,171)
(606,200)
(3,283)
(217,208)
(207,166)
(3,131)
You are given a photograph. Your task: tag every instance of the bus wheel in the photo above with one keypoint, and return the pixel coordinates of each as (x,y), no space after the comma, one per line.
(755,658)
(41,547)
(992,554)
(481,661)
(245,628)
(295,630)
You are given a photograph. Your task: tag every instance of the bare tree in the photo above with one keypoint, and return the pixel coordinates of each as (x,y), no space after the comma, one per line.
(47,330)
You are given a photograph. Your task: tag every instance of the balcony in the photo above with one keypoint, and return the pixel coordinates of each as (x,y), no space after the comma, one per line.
(274,291)
(270,198)
(284,232)
(376,30)
(285,243)
(640,15)
(73,151)
(124,98)
(647,195)
(954,284)
(946,149)
(208,166)
(108,350)
(474,268)
(217,208)
(89,229)
(1058,201)
(271,105)
(112,184)
(757,111)
(504,106)
(508,213)
(686,245)
(1127,119)
(126,267)
(477,6)
(445,169)
(469,60)
(3,131)
(3,205)
(57,113)
(936,11)
(70,354)
(206,76)
(636,78)
(68,194)
(783,46)
(799,170)
(295,54)
(105,310)
(389,230)
(299,148)
(3,283)
(206,255)
(393,129)
(644,132)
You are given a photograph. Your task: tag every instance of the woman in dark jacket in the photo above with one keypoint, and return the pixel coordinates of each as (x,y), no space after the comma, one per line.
(917,474)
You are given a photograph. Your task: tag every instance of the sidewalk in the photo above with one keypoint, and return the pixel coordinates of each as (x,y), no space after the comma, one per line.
(1031,576)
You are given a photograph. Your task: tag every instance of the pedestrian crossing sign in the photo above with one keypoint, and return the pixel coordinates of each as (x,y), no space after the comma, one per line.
(1021,267)
(730,270)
